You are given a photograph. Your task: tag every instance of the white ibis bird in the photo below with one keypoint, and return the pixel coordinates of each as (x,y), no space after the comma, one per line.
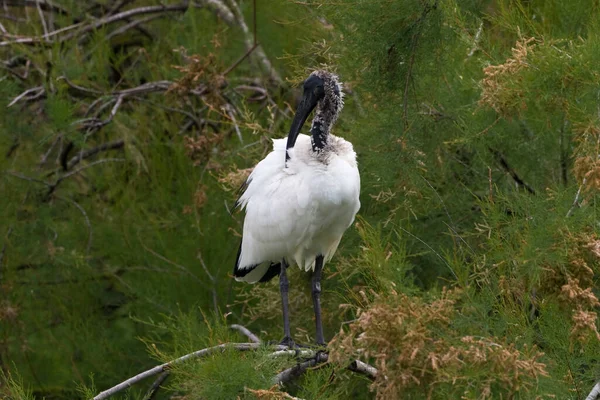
(300,199)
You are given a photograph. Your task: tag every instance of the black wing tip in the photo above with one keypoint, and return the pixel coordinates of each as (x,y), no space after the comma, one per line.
(240,192)
(273,271)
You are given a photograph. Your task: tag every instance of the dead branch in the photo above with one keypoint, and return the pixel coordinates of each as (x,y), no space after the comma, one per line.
(118,144)
(595,393)
(576,201)
(29,95)
(156,385)
(163,367)
(243,330)
(363,368)
(298,369)
(316,358)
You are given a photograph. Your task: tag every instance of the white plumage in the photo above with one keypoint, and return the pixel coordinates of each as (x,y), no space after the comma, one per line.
(300,211)
(300,199)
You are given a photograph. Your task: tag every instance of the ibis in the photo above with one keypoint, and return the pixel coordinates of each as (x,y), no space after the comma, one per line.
(300,199)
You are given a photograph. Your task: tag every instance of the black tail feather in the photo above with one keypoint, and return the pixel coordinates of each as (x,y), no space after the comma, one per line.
(273,271)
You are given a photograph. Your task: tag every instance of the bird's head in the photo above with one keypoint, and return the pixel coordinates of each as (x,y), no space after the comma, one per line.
(322,90)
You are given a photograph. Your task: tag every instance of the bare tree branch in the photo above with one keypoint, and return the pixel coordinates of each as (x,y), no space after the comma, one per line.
(29,95)
(117,144)
(298,369)
(244,331)
(156,385)
(595,393)
(157,370)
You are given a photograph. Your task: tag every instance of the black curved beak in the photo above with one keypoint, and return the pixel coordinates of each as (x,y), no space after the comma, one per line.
(307,104)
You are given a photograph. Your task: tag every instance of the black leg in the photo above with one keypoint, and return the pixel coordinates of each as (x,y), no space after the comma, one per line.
(284,288)
(316,296)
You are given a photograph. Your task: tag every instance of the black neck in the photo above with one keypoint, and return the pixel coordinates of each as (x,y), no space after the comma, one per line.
(319,131)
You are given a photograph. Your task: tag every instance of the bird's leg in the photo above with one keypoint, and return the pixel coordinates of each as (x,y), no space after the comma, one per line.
(316,296)
(284,288)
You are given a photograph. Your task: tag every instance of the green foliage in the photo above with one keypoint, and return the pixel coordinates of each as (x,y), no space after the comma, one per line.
(476,128)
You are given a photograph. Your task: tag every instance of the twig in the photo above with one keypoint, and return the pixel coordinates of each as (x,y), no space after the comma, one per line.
(52,187)
(156,385)
(242,329)
(41,14)
(510,171)
(178,266)
(476,40)
(298,369)
(163,367)
(44,158)
(125,15)
(413,53)
(46,5)
(27,178)
(213,282)
(87,222)
(133,24)
(118,144)
(576,201)
(595,393)
(363,368)
(38,91)
(229,110)
(249,39)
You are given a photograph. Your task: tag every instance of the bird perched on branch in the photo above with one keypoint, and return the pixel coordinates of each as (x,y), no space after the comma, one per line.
(300,199)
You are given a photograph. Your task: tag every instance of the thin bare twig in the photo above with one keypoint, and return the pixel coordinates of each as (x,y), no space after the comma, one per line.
(52,187)
(87,222)
(27,178)
(213,284)
(244,331)
(46,5)
(251,44)
(510,171)
(117,144)
(576,201)
(27,95)
(298,369)
(156,385)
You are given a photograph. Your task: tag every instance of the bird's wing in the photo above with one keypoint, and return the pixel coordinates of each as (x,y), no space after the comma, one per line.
(278,209)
